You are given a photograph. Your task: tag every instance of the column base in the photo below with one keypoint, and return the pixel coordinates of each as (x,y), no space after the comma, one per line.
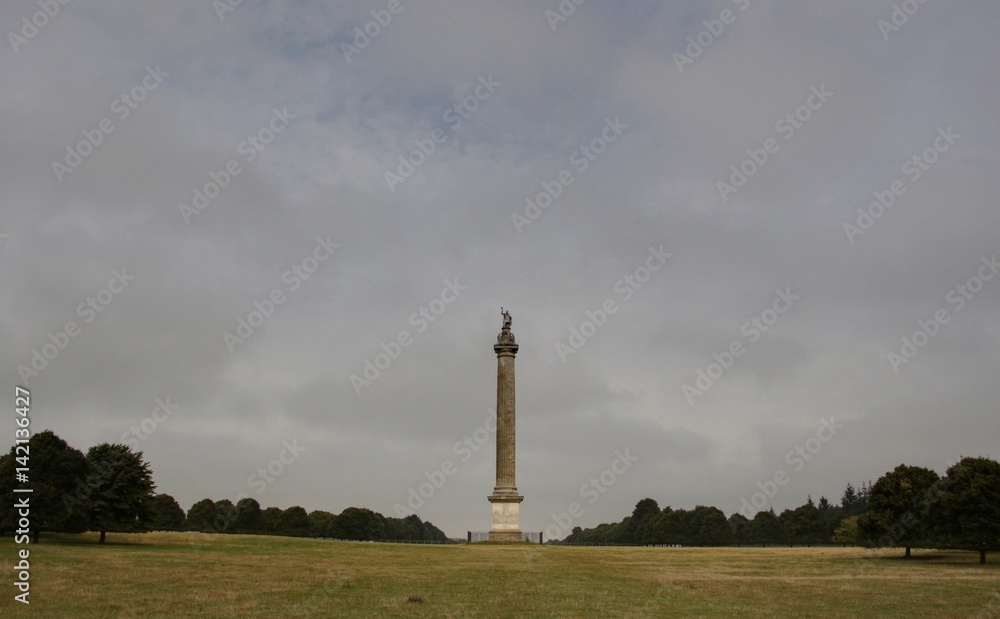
(506,536)
(506,514)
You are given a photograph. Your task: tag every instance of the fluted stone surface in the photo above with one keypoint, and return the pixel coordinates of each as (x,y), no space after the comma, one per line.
(506,466)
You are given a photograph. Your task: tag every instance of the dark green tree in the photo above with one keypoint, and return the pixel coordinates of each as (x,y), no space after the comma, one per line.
(606,533)
(249,518)
(319,523)
(649,531)
(294,522)
(863,495)
(359,523)
(765,528)
(623,532)
(119,489)
(225,516)
(739,526)
(674,527)
(850,502)
(55,471)
(804,525)
(709,527)
(833,515)
(201,516)
(432,533)
(966,513)
(165,514)
(645,510)
(412,528)
(896,515)
(395,528)
(271,520)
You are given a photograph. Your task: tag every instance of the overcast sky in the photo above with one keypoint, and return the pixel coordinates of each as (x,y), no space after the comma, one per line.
(172,170)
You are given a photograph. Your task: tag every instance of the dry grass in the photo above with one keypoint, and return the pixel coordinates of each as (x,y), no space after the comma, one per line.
(177,574)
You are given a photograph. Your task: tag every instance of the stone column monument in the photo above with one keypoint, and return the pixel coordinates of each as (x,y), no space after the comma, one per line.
(505,499)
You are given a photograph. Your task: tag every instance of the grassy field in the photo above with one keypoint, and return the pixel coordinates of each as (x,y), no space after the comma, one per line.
(178,574)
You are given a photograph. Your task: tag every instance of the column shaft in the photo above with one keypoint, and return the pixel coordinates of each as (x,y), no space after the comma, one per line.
(505,424)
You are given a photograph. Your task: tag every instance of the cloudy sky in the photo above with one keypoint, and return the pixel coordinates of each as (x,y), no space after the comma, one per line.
(232,231)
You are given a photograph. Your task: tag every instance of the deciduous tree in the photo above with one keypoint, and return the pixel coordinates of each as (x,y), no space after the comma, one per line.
(966,513)
(201,516)
(249,517)
(294,521)
(54,470)
(119,489)
(897,508)
(165,514)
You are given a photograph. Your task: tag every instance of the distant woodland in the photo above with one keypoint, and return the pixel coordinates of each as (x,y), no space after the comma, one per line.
(110,489)
(908,507)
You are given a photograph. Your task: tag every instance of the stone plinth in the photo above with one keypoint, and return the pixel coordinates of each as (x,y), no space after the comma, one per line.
(506,515)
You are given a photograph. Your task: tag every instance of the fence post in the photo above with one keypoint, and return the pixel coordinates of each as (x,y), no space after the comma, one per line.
(468,539)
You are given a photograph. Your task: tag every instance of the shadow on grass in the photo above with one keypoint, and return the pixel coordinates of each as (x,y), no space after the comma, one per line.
(83,539)
(934,557)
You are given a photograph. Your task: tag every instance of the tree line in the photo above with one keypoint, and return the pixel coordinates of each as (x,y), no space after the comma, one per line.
(111,489)
(908,507)
(246,516)
(708,526)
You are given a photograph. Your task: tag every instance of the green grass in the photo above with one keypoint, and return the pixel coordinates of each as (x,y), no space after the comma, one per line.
(178,574)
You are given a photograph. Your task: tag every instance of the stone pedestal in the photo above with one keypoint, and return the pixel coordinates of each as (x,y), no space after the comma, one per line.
(506,512)
(505,499)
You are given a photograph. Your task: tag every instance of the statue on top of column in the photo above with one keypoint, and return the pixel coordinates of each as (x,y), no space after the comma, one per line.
(505,336)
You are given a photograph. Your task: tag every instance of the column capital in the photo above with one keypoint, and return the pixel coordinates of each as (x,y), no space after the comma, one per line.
(505,350)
